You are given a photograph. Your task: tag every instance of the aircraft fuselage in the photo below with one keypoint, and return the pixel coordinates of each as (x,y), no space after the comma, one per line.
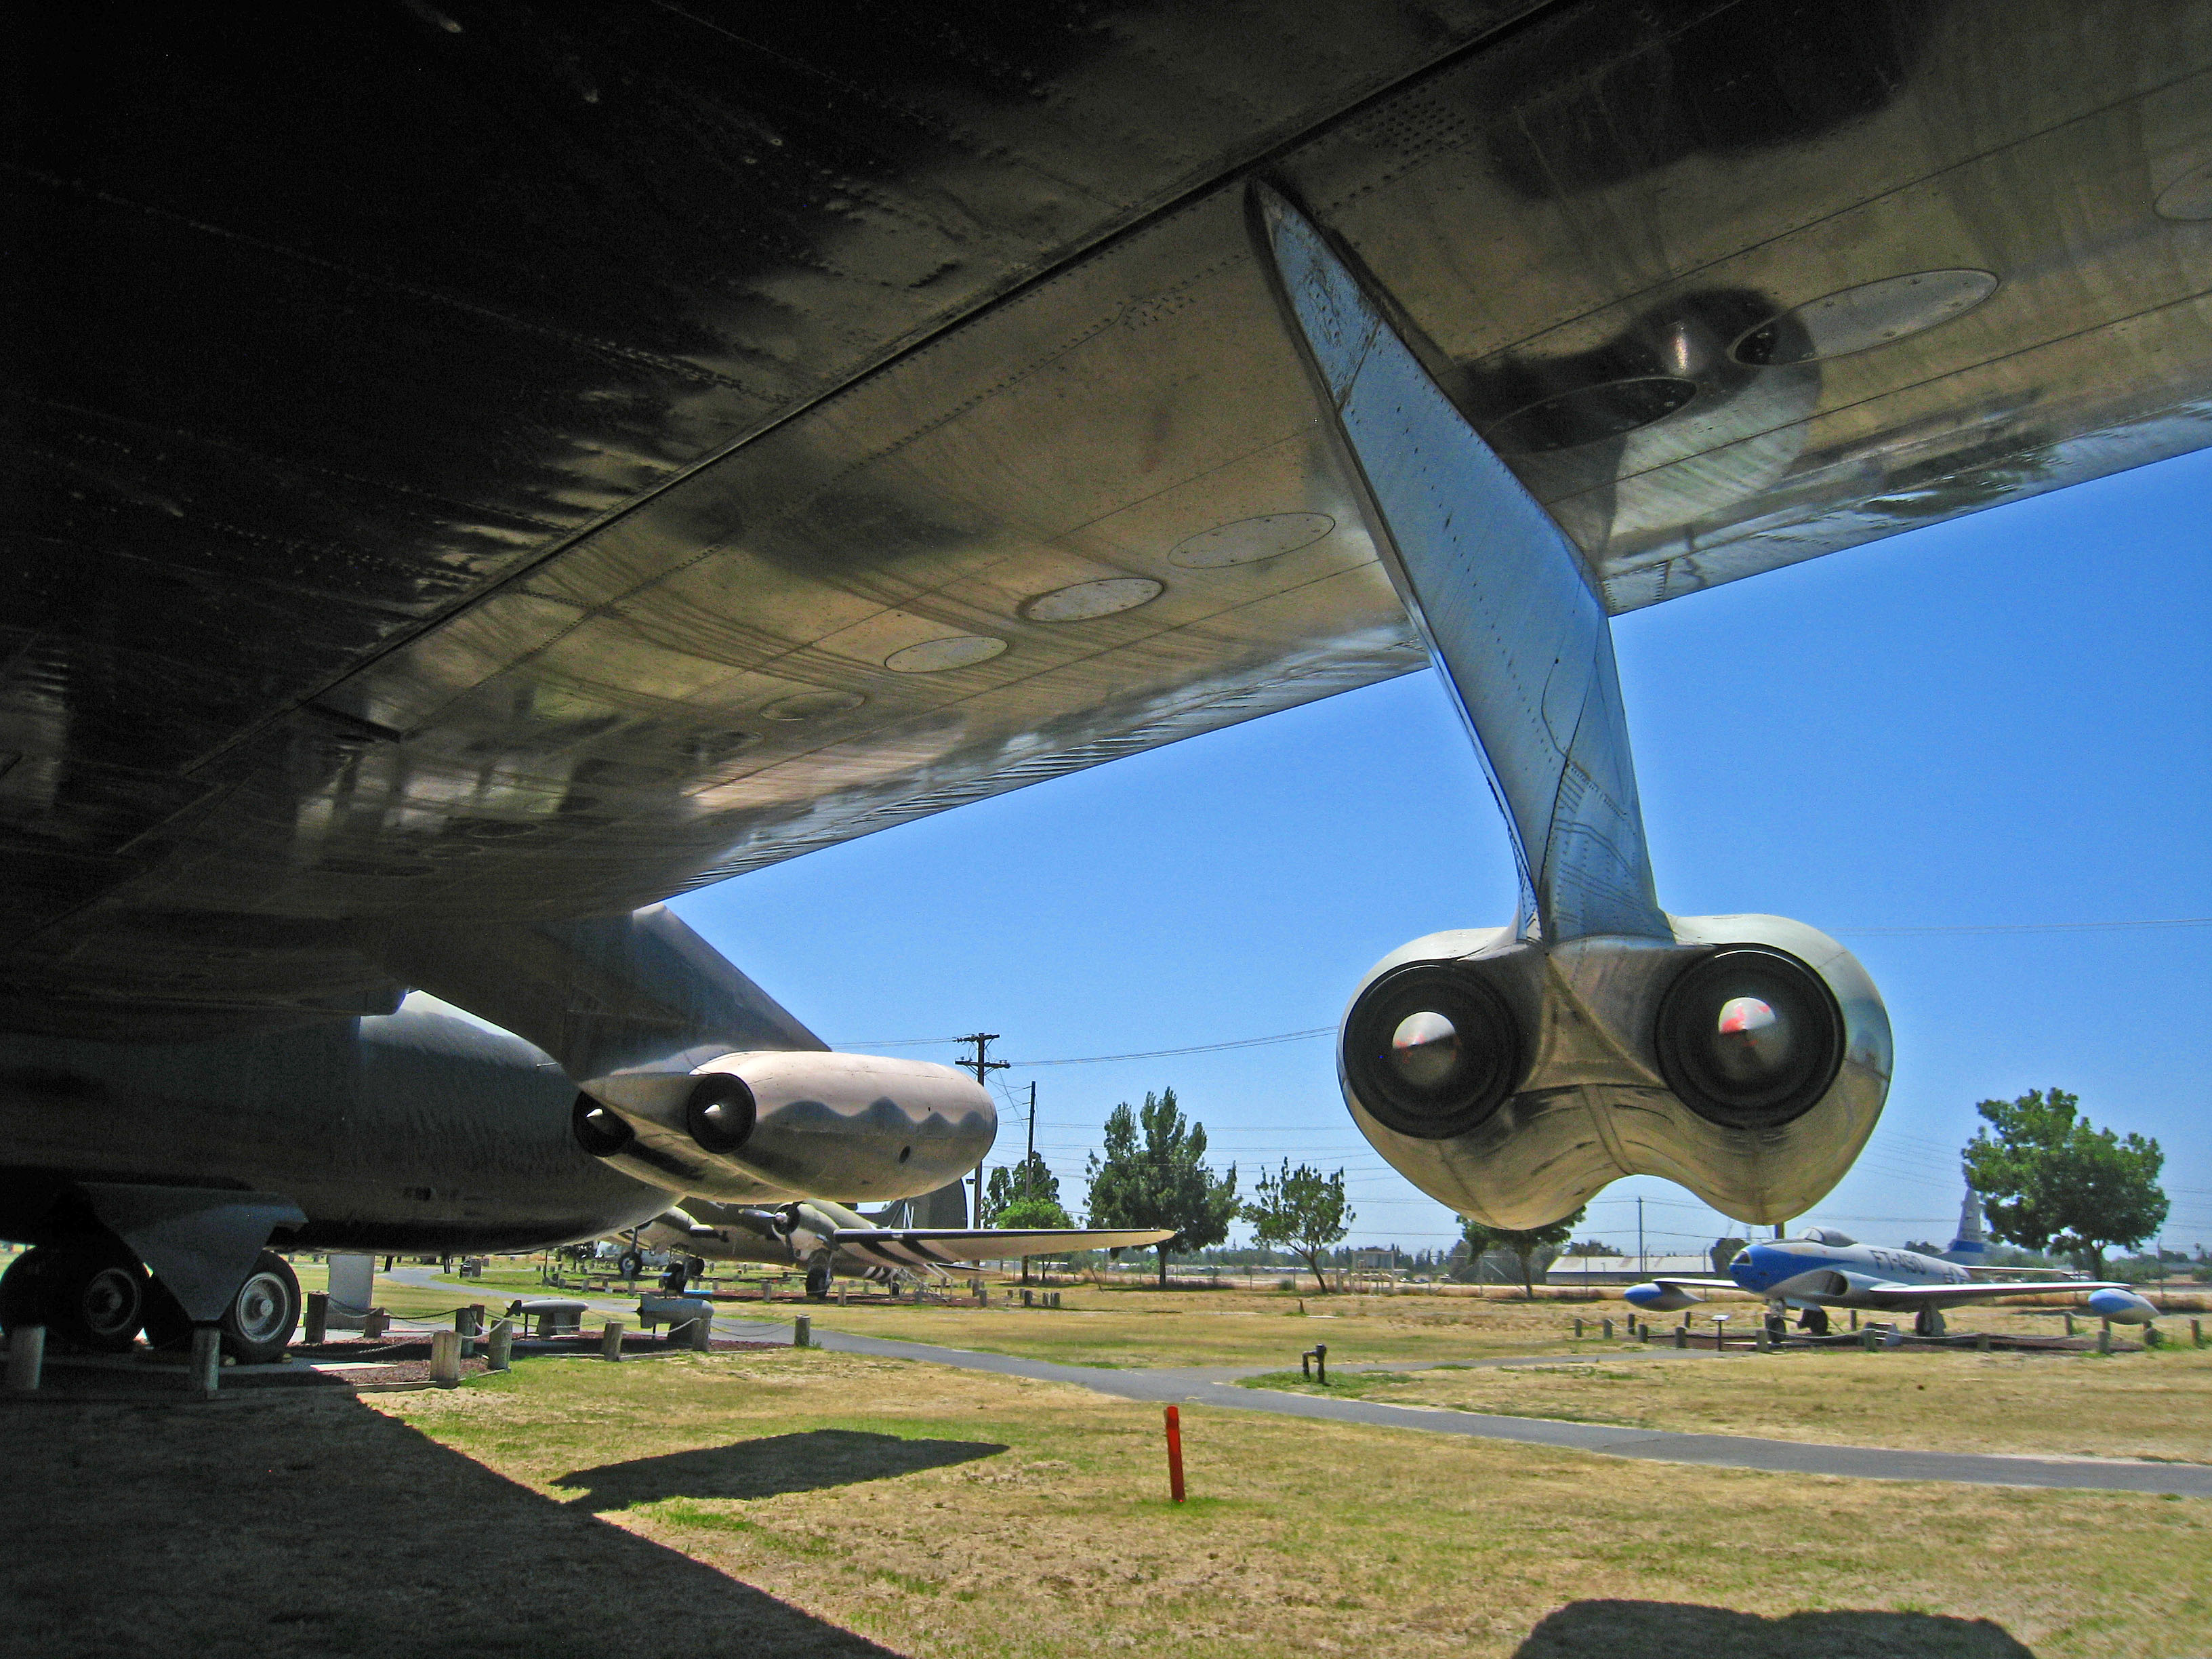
(412,1131)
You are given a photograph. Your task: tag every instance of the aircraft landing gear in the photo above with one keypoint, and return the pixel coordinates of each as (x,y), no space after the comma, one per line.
(263,1315)
(1778,1325)
(1813,1322)
(1928,1321)
(257,1325)
(818,1280)
(89,1292)
(631,1264)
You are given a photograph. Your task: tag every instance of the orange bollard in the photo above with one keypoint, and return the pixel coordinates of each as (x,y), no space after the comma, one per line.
(1175,1454)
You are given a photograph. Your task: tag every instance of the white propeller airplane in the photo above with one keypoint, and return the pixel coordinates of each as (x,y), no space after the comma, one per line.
(1822,1268)
(827,1239)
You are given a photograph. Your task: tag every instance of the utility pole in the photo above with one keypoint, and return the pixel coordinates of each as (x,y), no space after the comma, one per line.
(981,1065)
(1640,1233)
(1025,1161)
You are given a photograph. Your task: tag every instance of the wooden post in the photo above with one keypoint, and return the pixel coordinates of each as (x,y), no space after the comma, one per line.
(1321,1363)
(2105,1338)
(1981,1341)
(1607,1326)
(2070,1324)
(703,1334)
(2195,1333)
(374,1323)
(1175,1454)
(1867,1339)
(445,1358)
(611,1340)
(499,1352)
(843,1290)
(1855,1319)
(802,1332)
(1682,1336)
(26,1357)
(464,1330)
(1578,1327)
(205,1371)
(318,1319)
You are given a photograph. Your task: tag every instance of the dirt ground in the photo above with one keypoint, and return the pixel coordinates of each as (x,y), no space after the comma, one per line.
(800,1503)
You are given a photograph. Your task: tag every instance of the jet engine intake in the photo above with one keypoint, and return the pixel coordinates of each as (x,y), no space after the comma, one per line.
(772,1126)
(1746,1057)
(1433,1049)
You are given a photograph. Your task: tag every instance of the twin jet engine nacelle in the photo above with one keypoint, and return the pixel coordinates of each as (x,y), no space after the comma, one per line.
(769,1126)
(1747,1059)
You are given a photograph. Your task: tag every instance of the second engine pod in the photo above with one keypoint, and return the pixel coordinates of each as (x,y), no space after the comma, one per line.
(1749,1038)
(721,1113)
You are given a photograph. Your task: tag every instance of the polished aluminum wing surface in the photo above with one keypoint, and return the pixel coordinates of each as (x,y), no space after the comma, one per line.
(532,468)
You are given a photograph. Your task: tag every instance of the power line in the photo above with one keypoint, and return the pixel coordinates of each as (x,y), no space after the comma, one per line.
(2023,927)
(1195,1049)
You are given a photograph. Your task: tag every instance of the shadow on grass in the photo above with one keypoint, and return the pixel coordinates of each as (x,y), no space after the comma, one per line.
(763,1468)
(306,1524)
(1614,1630)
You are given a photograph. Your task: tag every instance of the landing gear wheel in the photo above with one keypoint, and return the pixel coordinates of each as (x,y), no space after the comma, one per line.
(1813,1322)
(89,1292)
(1928,1321)
(631,1265)
(1778,1326)
(263,1315)
(818,1278)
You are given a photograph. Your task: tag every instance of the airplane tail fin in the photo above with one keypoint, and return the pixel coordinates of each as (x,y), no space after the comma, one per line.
(1969,1248)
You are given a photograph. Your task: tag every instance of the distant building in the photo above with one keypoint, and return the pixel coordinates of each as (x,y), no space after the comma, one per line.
(1374,1260)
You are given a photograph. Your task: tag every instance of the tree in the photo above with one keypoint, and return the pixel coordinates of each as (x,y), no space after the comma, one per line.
(1027,1195)
(1031,1179)
(2050,1181)
(1024,1213)
(1303,1209)
(1590,1247)
(1523,1242)
(1164,1181)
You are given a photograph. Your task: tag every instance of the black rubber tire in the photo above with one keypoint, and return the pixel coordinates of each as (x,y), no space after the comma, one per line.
(630,1265)
(89,1293)
(819,1280)
(259,1322)
(1928,1321)
(1813,1322)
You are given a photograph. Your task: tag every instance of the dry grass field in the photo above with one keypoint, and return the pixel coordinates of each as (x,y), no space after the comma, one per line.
(2154,1405)
(800,1503)
(1225,1328)
(804,1502)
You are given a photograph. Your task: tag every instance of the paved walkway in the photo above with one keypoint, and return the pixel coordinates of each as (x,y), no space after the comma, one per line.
(1215,1385)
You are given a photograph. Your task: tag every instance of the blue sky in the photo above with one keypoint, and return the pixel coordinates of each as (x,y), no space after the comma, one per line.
(1996,722)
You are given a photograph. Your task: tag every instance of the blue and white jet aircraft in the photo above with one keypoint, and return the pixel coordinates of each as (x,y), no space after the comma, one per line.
(1822,1268)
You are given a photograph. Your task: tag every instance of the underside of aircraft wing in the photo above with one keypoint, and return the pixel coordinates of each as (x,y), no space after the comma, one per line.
(481,463)
(1694,1284)
(945,1244)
